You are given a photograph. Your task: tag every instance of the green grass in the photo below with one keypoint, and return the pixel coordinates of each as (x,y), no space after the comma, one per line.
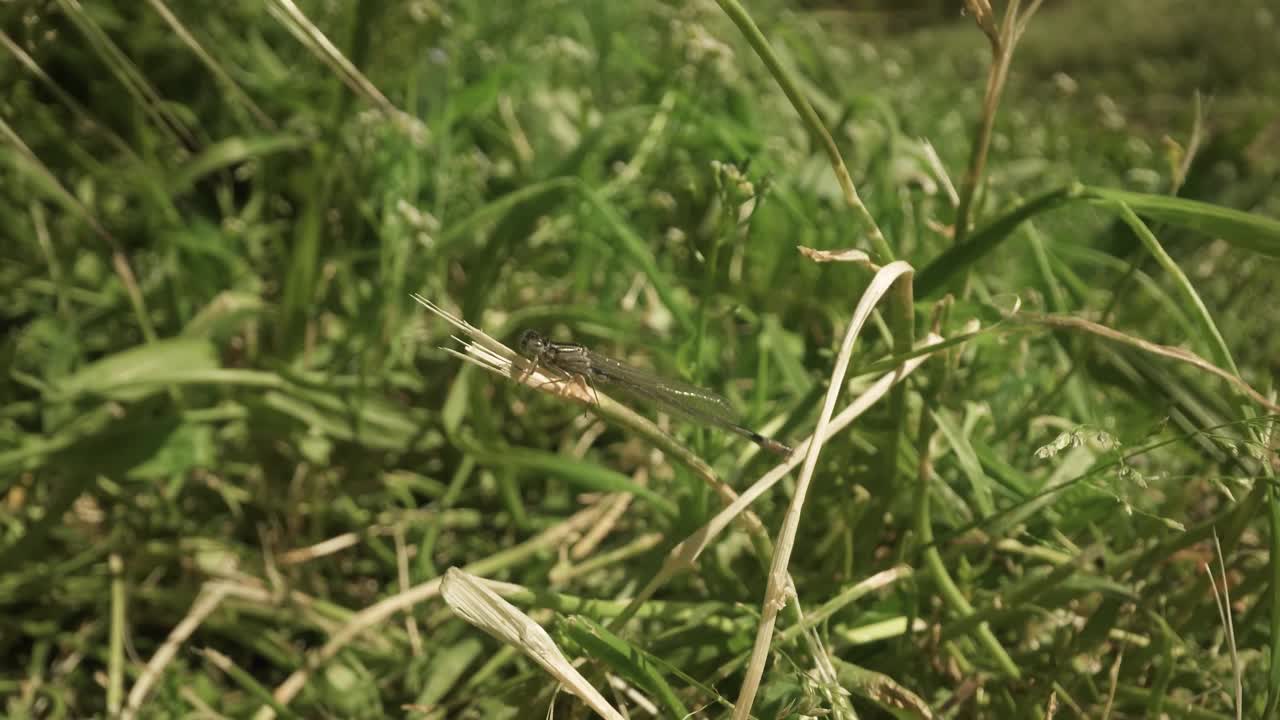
(235,464)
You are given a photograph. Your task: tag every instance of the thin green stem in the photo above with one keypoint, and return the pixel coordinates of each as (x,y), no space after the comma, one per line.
(901,314)
(791,87)
(1273,677)
(115,657)
(937,568)
(1210,336)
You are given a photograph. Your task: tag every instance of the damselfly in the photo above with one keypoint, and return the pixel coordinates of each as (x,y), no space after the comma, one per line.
(571,361)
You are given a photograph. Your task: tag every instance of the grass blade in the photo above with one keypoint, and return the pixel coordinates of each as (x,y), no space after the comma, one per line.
(1245,230)
(933,279)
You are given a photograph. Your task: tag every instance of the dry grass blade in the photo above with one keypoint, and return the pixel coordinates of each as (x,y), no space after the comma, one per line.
(852,255)
(212,63)
(940,171)
(1185,356)
(385,609)
(468,597)
(144,93)
(1003,42)
(297,22)
(1223,598)
(210,597)
(779,586)
(82,114)
(686,553)
(488,352)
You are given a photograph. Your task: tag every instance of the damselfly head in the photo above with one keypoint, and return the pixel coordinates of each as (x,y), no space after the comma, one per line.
(532,344)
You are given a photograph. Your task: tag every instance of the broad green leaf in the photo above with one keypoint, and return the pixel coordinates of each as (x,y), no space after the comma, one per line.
(1246,230)
(123,376)
(107,447)
(188,447)
(227,153)
(624,659)
(1242,229)
(447,667)
(934,277)
(224,315)
(1001,471)
(1208,334)
(354,417)
(968,460)
(882,690)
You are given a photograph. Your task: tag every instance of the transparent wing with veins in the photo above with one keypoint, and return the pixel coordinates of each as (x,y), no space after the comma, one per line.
(574,361)
(689,401)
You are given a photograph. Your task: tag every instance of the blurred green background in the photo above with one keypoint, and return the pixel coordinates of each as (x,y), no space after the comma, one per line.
(218,386)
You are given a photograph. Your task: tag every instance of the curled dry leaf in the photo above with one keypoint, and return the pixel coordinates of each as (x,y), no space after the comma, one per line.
(472,601)
(852,255)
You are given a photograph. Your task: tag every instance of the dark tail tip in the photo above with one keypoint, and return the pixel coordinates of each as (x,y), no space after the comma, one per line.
(770,444)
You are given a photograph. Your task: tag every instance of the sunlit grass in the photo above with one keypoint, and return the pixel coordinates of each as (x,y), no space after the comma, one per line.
(238,457)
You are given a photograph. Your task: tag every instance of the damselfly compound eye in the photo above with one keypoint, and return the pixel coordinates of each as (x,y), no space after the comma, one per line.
(531,343)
